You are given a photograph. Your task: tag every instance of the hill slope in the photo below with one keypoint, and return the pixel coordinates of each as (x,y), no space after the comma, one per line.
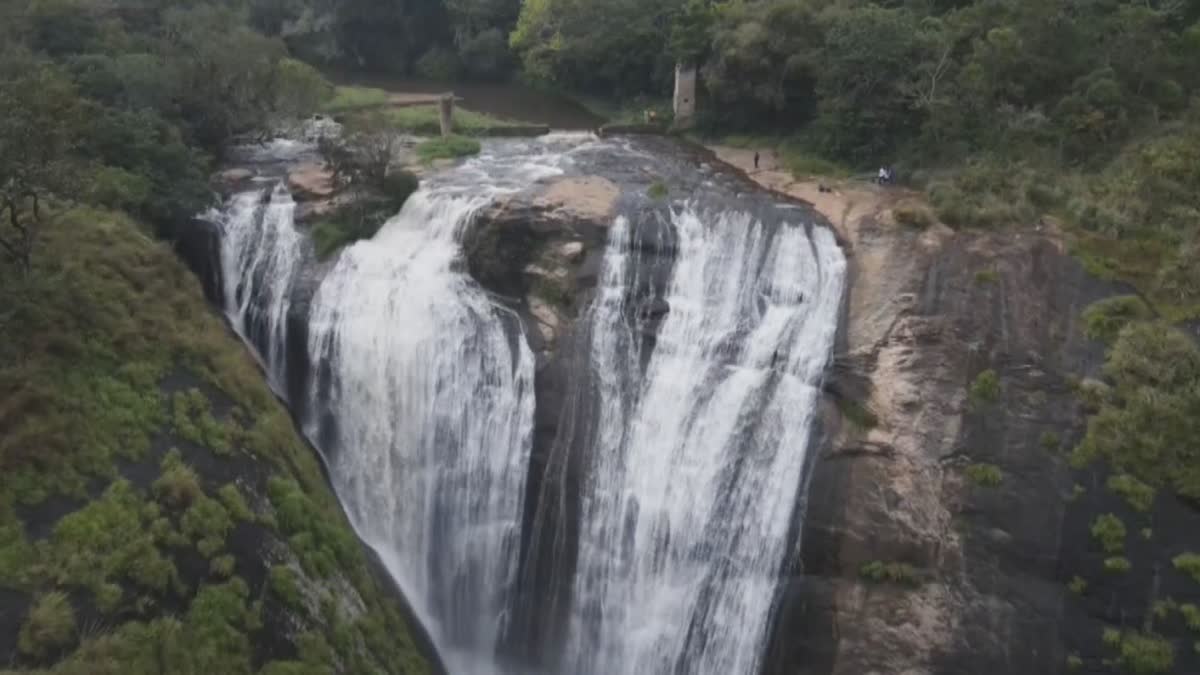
(159,513)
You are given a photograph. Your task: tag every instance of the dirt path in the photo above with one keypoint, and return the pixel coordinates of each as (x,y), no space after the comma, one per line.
(845,203)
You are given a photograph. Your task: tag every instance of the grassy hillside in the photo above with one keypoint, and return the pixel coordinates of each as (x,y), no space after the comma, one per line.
(159,513)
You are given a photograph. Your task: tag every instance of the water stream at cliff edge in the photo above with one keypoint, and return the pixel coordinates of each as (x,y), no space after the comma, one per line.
(422,400)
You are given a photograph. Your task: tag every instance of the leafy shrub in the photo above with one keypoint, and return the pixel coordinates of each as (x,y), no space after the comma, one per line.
(1189,564)
(283,585)
(1117,565)
(322,545)
(1050,441)
(222,566)
(1137,494)
(1074,663)
(50,625)
(985,475)
(1104,319)
(485,55)
(301,89)
(985,388)
(231,497)
(895,572)
(206,522)
(177,486)
(447,147)
(1109,531)
(1146,654)
(1147,427)
(1191,616)
(112,538)
(1078,585)
(439,63)
(657,190)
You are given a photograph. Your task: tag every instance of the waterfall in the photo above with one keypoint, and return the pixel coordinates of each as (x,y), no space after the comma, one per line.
(692,482)
(420,395)
(260,257)
(432,409)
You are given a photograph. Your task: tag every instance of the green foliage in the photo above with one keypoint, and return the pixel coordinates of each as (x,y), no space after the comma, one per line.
(985,195)
(1050,441)
(1109,531)
(112,539)
(877,571)
(439,63)
(302,89)
(1143,653)
(41,123)
(50,625)
(222,566)
(1189,564)
(178,486)
(1104,319)
(1117,565)
(193,421)
(862,74)
(447,147)
(1074,663)
(110,315)
(1191,616)
(1137,494)
(985,388)
(1146,426)
(1111,637)
(657,190)
(283,585)
(615,46)
(1078,585)
(321,544)
(347,98)
(234,503)
(206,523)
(985,475)
(425,120)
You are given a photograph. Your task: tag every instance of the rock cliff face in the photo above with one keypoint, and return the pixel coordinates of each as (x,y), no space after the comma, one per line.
(943,523)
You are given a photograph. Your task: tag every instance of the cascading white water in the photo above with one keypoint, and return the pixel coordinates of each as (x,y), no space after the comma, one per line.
(423,404)
(427,412)
(434,410)
(260,256)
(692,483)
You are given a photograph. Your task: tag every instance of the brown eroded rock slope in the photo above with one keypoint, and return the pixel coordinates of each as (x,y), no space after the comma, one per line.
(979,568)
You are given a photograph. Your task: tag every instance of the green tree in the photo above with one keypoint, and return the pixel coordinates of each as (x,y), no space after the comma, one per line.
(864,72)
(39,130)
(762,66)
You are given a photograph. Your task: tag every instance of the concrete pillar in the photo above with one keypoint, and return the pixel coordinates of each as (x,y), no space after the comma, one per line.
(446,114)
(685,95)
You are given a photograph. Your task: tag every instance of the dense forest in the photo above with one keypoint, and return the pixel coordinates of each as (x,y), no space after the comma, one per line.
(1002,110)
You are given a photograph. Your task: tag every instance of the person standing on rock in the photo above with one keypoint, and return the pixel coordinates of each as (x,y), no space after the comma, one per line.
(756,160)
